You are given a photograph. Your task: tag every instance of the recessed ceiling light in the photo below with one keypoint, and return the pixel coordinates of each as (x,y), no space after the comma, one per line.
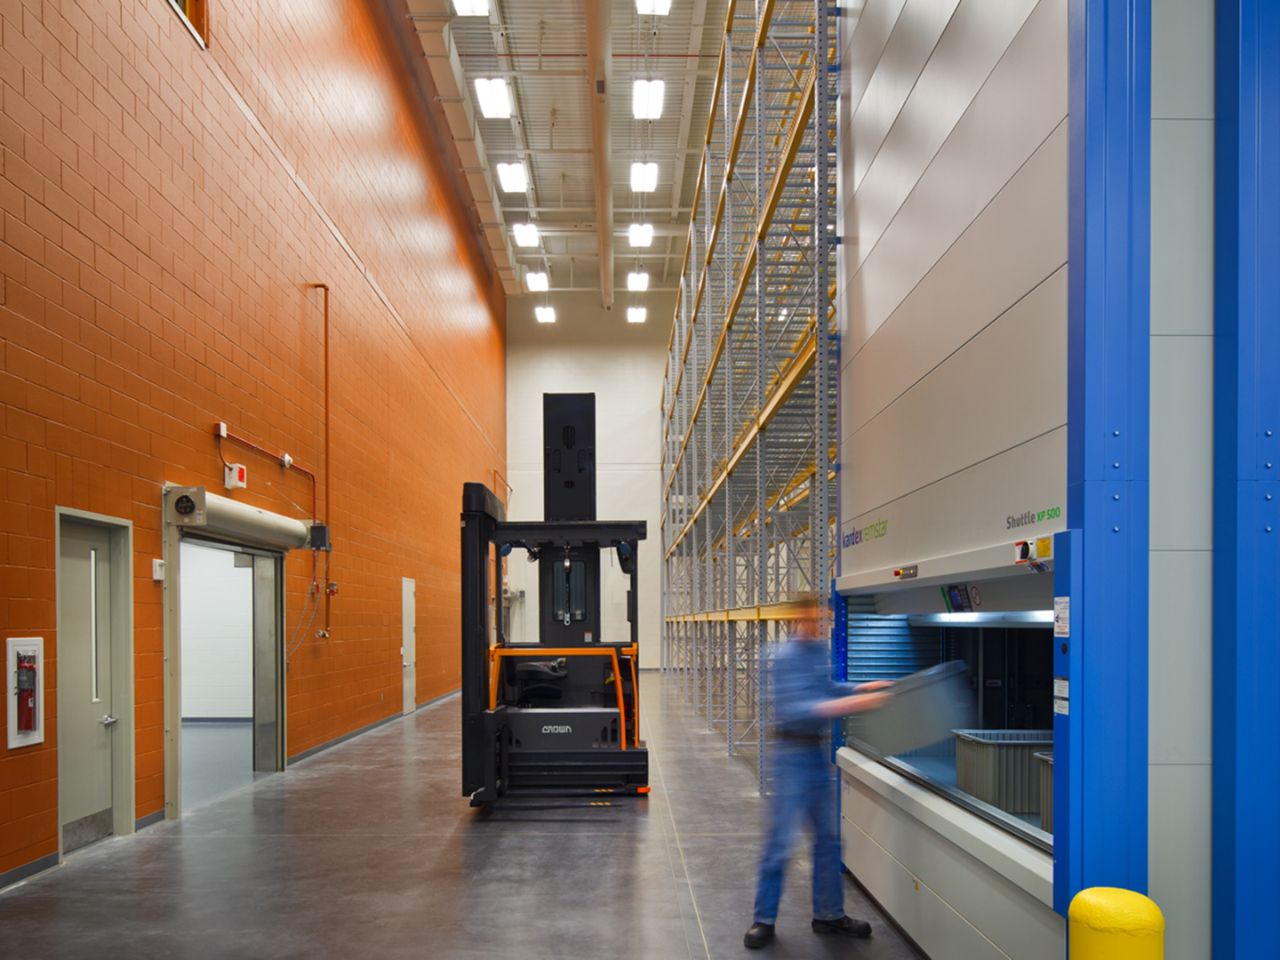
(513,177)
(494,97)
(644,177)
(656,8)
(646,99)
(537,282)
(545,314)
(637,314)
(471,8)
(526,234)
(640,234)
(637,282)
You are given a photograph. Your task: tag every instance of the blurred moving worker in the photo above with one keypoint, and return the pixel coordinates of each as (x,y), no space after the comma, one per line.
(805,701)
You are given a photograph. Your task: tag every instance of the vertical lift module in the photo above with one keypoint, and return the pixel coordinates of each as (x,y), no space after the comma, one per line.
(561,715)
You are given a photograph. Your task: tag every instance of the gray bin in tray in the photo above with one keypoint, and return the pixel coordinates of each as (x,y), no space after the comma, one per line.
(1046,791)
(999,767)
(925,708)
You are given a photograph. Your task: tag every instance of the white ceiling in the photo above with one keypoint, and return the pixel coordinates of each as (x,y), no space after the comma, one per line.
(545,51)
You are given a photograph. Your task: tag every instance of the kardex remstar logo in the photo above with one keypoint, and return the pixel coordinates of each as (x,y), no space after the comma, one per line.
(872,531)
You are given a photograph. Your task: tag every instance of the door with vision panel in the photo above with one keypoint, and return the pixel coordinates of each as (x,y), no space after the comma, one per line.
(85,723)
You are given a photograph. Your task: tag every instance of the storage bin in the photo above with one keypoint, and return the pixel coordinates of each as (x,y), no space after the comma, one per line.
(925,708)
(1046,791)
(999,767)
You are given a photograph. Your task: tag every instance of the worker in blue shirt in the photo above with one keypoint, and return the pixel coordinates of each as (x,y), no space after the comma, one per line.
(806,700)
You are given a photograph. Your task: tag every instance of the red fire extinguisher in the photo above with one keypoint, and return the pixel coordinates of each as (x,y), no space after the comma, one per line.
(27,691)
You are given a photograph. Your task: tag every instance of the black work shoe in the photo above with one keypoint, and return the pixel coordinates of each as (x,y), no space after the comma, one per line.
(845,927)
(760,935)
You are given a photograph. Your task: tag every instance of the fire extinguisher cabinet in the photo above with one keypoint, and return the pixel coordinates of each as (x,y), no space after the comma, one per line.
(24,691)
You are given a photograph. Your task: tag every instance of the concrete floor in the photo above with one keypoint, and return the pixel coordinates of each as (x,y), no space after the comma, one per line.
(367,850)
(217,757)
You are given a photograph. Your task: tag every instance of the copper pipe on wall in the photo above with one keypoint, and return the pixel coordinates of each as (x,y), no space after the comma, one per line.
(328,476)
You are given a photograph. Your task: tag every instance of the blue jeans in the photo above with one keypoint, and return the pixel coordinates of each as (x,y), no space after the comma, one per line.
(805,790)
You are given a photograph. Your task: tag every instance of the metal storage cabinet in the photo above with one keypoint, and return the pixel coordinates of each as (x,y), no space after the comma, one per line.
(1046,791)
(999,767)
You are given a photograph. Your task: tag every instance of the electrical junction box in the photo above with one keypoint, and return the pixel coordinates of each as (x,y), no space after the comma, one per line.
(318,537)
(235,476)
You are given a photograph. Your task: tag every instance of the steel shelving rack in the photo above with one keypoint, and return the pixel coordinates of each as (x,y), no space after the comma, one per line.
(749,398)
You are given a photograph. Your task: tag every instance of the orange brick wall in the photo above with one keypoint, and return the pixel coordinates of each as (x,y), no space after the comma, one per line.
(164,208)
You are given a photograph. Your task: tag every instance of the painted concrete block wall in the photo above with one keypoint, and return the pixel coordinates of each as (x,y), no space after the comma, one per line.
(1182,337)
(163,209)
(217,634)
(953,202)
(590,350)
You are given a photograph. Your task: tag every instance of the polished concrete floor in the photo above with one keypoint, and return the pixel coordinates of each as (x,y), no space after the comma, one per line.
(367,850)
(217,757)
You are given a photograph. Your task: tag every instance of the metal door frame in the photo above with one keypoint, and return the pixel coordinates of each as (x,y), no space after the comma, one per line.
(123,748)
(173,652)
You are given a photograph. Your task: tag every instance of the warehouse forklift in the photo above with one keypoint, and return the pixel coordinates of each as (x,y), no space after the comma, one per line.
(559,716)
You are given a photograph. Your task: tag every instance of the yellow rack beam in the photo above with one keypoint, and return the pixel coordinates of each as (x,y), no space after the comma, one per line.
(768,612)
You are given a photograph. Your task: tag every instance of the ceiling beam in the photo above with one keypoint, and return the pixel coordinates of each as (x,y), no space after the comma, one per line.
(599,48)
(498,29)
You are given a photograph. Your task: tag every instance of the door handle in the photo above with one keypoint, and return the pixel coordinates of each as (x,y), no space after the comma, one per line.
(108,720)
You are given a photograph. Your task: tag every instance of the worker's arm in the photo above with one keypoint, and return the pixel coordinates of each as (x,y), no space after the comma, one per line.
(858,703)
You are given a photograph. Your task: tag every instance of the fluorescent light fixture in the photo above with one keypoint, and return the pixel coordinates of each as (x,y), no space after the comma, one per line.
(654,8)
(537,282)
(637,282)
(471,8)
(494,97)
(644,177)
(637,314)
(545,314)
(640,234)
(513,177)
(526,234)
(646,99)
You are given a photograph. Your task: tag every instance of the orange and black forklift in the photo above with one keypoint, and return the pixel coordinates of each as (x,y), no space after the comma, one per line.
(559,716)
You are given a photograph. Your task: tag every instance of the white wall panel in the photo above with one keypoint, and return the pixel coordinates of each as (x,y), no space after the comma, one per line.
(909,48)
(1017,241)
(1006,384)
(863,43)
(967,511)
(953,288)
(1021,104)
(977,36)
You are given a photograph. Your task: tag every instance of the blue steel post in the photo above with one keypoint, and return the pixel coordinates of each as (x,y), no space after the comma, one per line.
(1107,443)
(1067,775)
(1246,575)
(839,654)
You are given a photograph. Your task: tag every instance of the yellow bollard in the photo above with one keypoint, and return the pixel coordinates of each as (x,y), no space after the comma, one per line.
(1111,924)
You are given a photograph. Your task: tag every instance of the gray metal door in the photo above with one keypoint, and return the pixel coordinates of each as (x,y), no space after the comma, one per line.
(268,666)
(409,642)
(85,719)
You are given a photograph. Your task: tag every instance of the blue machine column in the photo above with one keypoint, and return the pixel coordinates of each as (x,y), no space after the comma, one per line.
(1101,739)
(1246,751)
